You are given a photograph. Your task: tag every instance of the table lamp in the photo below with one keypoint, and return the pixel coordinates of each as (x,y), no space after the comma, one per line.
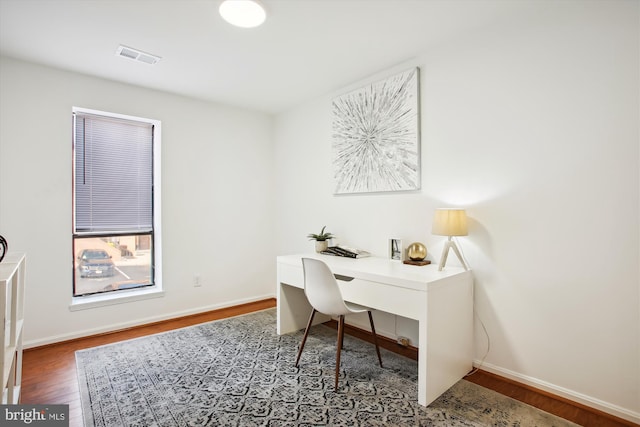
(450,222)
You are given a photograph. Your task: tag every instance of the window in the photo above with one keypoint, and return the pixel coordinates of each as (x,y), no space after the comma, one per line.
(115,170)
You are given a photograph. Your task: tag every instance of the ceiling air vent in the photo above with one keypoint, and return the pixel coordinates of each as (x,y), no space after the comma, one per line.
(137,55)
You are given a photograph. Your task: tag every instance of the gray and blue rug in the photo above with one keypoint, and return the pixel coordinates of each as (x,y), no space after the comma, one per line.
(239,372)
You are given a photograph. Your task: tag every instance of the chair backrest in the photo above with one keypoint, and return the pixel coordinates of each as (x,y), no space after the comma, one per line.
(321,288)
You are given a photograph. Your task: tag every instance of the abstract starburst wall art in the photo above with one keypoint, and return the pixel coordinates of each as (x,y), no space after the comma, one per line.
(376,138)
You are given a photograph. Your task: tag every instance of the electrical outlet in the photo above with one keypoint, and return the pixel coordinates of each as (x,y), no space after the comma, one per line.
(196,280)
(404,341)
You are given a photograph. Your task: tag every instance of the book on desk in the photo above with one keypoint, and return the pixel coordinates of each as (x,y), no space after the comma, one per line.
(346,252)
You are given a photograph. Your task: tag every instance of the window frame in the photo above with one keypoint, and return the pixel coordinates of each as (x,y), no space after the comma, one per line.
(124,295)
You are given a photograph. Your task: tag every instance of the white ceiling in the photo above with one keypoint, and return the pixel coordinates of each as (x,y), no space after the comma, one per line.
(305,49)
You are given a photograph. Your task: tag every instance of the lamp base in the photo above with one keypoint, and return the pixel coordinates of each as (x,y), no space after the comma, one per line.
(450,244)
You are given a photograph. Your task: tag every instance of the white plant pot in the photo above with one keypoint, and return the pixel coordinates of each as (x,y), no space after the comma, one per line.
(321,245)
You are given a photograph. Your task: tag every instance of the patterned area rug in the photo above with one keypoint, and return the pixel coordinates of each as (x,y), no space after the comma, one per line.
(239,372)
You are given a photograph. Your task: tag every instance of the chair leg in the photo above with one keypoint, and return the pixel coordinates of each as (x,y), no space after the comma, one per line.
(375,337)
(339,348)
(306,334)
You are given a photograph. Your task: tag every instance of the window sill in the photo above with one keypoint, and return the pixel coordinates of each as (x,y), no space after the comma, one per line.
(120,297)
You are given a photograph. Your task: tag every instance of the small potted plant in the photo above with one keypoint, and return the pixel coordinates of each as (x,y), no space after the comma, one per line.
(321,239)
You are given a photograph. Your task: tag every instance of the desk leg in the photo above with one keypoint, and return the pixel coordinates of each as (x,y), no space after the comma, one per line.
(422,361)
(293,310)
(445,353)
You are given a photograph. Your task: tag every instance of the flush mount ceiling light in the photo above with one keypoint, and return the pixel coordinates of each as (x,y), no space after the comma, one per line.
(137,55)
(243,13)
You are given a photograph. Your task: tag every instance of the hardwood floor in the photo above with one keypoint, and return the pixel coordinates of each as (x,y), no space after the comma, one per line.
(49,372)
(572,411)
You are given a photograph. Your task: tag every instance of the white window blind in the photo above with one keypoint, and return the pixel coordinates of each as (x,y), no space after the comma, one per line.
(113,179)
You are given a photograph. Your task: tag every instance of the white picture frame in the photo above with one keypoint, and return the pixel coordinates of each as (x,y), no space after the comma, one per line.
(376,136)
(396,250)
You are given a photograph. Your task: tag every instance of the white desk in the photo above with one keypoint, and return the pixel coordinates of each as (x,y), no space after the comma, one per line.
(441,302)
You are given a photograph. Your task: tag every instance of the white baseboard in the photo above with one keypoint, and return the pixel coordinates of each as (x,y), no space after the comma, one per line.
(138,322)
(574,396)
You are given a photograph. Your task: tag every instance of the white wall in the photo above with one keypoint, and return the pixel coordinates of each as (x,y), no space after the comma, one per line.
(533,126)
(217,182)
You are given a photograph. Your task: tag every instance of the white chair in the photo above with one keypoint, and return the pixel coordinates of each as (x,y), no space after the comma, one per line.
(323,293)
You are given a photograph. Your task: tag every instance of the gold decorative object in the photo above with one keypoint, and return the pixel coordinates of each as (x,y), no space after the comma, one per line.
(417,251)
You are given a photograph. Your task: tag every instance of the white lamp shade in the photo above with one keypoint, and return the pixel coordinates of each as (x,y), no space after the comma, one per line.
(450,222)
(243,13)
